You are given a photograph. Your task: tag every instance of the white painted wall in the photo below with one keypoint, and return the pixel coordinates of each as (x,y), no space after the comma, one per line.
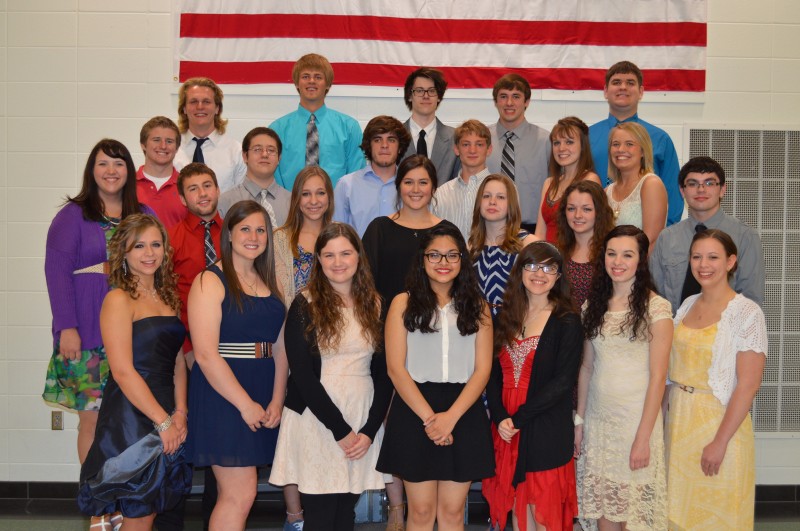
(73,71)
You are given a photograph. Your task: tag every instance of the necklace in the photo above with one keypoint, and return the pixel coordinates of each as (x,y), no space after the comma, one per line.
(531,318)
(153,292)
(253,286)
(112,221)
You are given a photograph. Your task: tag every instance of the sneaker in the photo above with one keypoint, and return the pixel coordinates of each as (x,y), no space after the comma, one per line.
(293,526)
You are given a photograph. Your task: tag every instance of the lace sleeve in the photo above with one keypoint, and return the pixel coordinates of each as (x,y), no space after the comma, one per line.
(659,309)
(751,330)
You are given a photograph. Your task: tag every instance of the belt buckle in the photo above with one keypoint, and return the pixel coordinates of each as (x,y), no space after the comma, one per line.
(688,388)
(263,349)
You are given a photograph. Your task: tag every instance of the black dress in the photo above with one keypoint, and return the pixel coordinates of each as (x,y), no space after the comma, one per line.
(125,469)
(390,249)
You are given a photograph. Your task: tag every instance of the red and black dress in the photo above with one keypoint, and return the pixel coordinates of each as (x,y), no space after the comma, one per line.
(532,383)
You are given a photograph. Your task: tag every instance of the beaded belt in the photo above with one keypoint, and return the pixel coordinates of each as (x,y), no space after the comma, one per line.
(101,268)
(689,389)
(259,350)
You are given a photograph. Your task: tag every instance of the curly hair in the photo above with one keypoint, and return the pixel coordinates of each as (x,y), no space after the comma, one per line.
(123,240)
(515,299)
(477,237)
(265,262)
(636,321)
(381,125)
(420,313)
(295,218)
(603,219)
(327,318)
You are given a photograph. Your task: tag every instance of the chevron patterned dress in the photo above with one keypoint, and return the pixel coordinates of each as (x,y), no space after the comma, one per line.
(493,266)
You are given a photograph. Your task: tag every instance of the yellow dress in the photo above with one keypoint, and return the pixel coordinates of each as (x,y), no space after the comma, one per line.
(724,501)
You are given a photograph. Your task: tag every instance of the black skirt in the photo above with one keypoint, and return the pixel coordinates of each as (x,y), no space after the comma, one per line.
(408,453)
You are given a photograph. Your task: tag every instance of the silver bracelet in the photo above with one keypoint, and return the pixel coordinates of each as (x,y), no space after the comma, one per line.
(164,426)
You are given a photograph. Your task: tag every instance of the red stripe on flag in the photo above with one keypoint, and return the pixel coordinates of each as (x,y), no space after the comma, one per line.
(457,77)
(194,25)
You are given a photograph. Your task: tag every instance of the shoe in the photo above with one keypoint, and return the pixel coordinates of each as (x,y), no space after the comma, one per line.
(395,525)
(293,526)
(116,521)
(102,524)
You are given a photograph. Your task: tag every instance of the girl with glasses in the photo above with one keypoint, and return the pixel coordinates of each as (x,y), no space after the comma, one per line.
(628,328)
(539,339)
(438,352)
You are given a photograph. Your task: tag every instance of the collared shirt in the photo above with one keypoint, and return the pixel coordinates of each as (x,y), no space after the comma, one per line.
(670,257)
(187,239)
(531,157)
(362,196)
(165,201)
(430,134)
(278,199)
(665,159)
(222,154)
(339,144)
(455,200)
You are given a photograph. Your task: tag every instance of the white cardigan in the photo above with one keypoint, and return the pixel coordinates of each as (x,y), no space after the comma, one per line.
(741,328)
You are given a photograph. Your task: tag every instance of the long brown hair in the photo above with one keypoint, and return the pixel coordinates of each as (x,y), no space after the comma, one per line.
(123,240)
(327,317)
(603,219)
(515,299)
(294,220)
(570,127)
(89,197)
(265,262)
(477,237)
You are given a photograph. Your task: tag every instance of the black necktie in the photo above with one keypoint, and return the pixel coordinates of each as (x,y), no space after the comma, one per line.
(422,146)
(690,284)
(208,246)
(198,150)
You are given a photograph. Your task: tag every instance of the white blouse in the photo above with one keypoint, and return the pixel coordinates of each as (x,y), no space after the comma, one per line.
(444,356)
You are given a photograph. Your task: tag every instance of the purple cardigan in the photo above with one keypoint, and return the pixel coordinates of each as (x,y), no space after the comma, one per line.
(75,300)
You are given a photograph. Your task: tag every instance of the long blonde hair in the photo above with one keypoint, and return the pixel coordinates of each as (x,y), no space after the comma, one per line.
(639,133)
(294,220)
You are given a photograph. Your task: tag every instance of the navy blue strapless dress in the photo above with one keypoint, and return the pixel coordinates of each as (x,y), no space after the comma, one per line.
(125,469)
(217,433)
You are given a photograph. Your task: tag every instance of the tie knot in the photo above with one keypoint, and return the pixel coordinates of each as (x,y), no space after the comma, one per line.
(207,224)
(313,118)
(422,134)
(199,141)
(509,135)
(700,228)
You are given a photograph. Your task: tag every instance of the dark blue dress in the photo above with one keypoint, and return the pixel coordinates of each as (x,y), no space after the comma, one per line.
(125,469)
(493,267)
(217,433)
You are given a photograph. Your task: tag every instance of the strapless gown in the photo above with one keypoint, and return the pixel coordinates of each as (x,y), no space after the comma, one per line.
(125,469)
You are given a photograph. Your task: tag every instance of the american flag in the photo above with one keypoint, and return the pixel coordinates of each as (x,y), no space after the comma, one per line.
(555,44)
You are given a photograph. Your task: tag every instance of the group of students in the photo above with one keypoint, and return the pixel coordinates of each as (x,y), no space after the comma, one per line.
(301,334)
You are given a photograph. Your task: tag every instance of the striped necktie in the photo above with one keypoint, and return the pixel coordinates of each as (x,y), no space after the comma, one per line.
(507,160)
(312,142)
(208,247)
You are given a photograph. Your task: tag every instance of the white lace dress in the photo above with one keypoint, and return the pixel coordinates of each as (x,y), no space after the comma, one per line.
(307,454)
(607,487)
(629,210)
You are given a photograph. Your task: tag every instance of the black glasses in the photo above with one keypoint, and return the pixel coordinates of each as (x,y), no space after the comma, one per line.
(436,258)
(548,269)
(419,92)
(708,183)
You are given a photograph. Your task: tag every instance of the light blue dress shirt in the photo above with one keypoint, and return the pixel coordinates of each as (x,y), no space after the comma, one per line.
(362,196)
